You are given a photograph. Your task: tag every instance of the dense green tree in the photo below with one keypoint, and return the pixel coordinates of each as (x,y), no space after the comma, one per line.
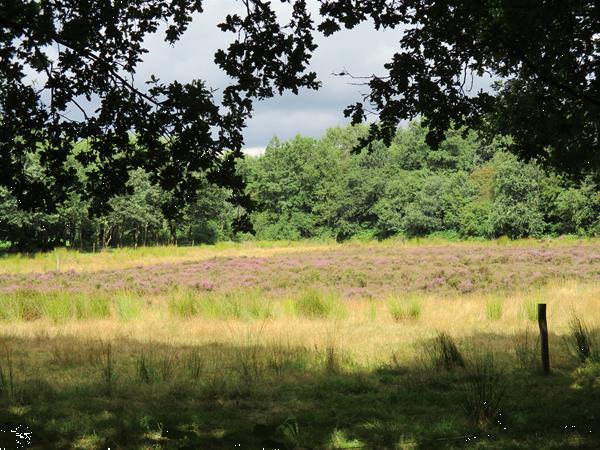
(517,210)
(421,202)
(578,209)
(543,52)
(320,188)
(210,218)
(295,186)
(135,215)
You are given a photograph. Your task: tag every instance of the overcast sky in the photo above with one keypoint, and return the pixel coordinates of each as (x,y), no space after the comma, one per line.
(361,51)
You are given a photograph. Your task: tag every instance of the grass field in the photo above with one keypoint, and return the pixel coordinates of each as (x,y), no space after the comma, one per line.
(405,345)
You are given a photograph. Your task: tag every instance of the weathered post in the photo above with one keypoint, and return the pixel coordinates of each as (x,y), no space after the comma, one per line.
(544,337)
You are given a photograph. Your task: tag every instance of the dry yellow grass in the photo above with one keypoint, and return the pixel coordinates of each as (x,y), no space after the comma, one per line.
(368,334)
(114,259)
(215,364)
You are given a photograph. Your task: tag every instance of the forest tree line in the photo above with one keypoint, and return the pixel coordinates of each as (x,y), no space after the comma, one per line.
(320,188)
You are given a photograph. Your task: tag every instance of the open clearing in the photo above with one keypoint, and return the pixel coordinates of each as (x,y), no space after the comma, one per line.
(317,345)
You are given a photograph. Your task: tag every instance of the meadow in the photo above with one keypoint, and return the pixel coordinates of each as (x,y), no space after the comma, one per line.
(314,345)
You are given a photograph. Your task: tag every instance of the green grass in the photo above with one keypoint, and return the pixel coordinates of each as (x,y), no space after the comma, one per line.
(245,305)
(314,304)
(529,311)
(55,306)
(127,306)
(257,374)
(148,395)
(493,309)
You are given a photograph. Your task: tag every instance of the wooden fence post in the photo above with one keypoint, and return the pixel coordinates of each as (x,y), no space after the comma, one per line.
(544,337)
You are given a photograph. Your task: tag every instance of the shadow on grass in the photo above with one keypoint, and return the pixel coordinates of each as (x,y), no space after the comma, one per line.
(71,393)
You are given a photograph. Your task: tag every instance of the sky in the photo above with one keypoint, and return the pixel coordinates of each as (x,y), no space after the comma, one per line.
(361,51)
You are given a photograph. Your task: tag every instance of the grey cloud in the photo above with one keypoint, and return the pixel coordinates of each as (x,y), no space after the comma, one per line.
(361,51)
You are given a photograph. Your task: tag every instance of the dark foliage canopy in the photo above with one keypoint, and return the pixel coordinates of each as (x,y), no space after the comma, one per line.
(545,52)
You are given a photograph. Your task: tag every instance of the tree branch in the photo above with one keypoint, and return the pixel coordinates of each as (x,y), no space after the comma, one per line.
(553,81)
(83,52)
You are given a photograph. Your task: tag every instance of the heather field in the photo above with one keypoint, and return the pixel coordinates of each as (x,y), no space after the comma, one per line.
(394,344)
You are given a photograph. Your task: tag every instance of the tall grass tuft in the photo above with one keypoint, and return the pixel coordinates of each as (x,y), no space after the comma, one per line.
(493,309)
(528,311)
(580,339)
(332,362)
(108,370)
(246,305)
(339,440)
(527,350)
(444,353)
(184,305)
(144,369)
(404,309)
(313,304)
(127,307)
(194,364)
(20,305)
(91,307)
(168,366)
(372,311)
(7,385)
(484,390)
(55,306)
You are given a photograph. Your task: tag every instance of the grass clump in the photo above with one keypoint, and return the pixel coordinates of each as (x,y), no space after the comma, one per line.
(484,390)
(580,340)
(88,307)
(194,364)
(527,350)
(55,306)
(184,305)
(313,304)
(7,385)
(340,440)
(529,311)
(144,369)
(20,305)
(245,305)
(444,353)
(108,369)
(404,309)
(493,309)
(127,307)
(587,376)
